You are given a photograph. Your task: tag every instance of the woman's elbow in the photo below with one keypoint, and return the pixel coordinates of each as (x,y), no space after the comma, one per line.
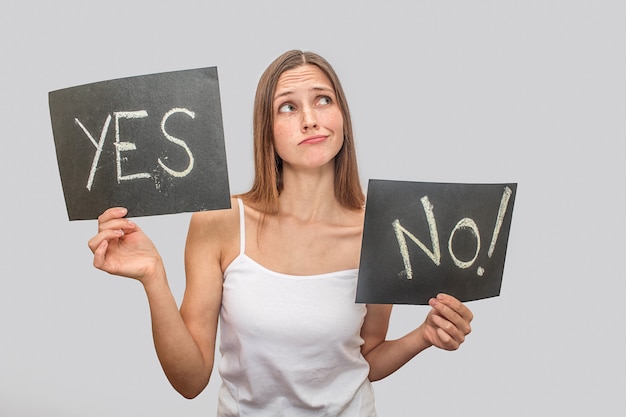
(190,389)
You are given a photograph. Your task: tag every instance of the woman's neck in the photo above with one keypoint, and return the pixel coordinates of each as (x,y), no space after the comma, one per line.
(309,195)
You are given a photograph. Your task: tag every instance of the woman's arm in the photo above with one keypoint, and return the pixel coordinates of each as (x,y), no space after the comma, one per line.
(445,326)
(185,339)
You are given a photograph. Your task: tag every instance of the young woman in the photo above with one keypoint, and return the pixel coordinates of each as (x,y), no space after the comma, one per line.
(279,269)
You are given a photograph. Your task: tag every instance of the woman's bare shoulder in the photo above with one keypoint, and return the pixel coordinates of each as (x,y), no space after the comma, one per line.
(217,218)
(216,229)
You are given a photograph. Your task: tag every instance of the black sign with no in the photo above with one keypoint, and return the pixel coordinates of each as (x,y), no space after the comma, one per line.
(420,239)
(151,143)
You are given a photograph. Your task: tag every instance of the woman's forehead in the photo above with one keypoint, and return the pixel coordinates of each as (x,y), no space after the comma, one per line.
(302,77)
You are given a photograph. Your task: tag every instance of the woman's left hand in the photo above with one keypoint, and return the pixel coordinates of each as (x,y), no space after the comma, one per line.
(448,322)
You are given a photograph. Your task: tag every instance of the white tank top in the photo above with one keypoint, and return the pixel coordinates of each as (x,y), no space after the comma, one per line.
(290,344)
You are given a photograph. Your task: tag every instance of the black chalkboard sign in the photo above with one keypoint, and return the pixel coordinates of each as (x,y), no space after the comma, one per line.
(151,143)
(420,239)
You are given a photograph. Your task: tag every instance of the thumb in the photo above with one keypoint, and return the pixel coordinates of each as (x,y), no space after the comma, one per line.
(99,255)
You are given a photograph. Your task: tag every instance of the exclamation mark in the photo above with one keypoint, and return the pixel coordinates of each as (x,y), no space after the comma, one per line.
(506,195)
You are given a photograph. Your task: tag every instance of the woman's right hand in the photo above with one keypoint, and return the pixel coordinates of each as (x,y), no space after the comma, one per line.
(121,247)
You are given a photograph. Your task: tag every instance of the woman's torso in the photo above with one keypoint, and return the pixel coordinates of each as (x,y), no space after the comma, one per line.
(290,343)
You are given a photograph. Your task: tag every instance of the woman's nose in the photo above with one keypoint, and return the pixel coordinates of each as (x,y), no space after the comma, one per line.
(309,119)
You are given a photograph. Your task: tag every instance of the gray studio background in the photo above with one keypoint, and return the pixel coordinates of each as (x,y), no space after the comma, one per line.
(462,91)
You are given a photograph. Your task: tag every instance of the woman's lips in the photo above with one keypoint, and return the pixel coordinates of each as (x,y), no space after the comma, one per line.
(313,139)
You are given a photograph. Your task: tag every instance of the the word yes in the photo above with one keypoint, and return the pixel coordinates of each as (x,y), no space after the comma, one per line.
(125,146)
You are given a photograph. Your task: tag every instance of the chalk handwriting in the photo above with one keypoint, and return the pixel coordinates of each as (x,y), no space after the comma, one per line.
(177,141)
(122,146)
(98,146)
(400,231)
(465,223)
(499,219)
(126,146)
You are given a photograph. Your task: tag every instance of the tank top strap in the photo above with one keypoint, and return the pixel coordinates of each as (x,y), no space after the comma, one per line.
(242,227)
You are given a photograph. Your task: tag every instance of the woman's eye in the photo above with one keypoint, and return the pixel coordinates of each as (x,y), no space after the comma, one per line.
(286,108)
(324,100)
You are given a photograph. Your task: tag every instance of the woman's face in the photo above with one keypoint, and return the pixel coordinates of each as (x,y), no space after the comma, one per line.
(308,124)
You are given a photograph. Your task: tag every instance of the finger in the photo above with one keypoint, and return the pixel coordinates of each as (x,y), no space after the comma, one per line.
(446,341)
(443,309)
(452,331)
(99,254)
(112,213)
(122,224)
(104,236)
(456,305)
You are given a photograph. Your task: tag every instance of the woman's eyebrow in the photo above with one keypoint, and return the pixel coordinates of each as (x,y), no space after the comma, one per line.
(323,88)
(282,94)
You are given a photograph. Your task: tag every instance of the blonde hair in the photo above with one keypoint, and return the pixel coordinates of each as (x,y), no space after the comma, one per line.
(267,184)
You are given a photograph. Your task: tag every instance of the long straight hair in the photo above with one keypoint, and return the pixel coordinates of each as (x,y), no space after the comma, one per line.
(267,184)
